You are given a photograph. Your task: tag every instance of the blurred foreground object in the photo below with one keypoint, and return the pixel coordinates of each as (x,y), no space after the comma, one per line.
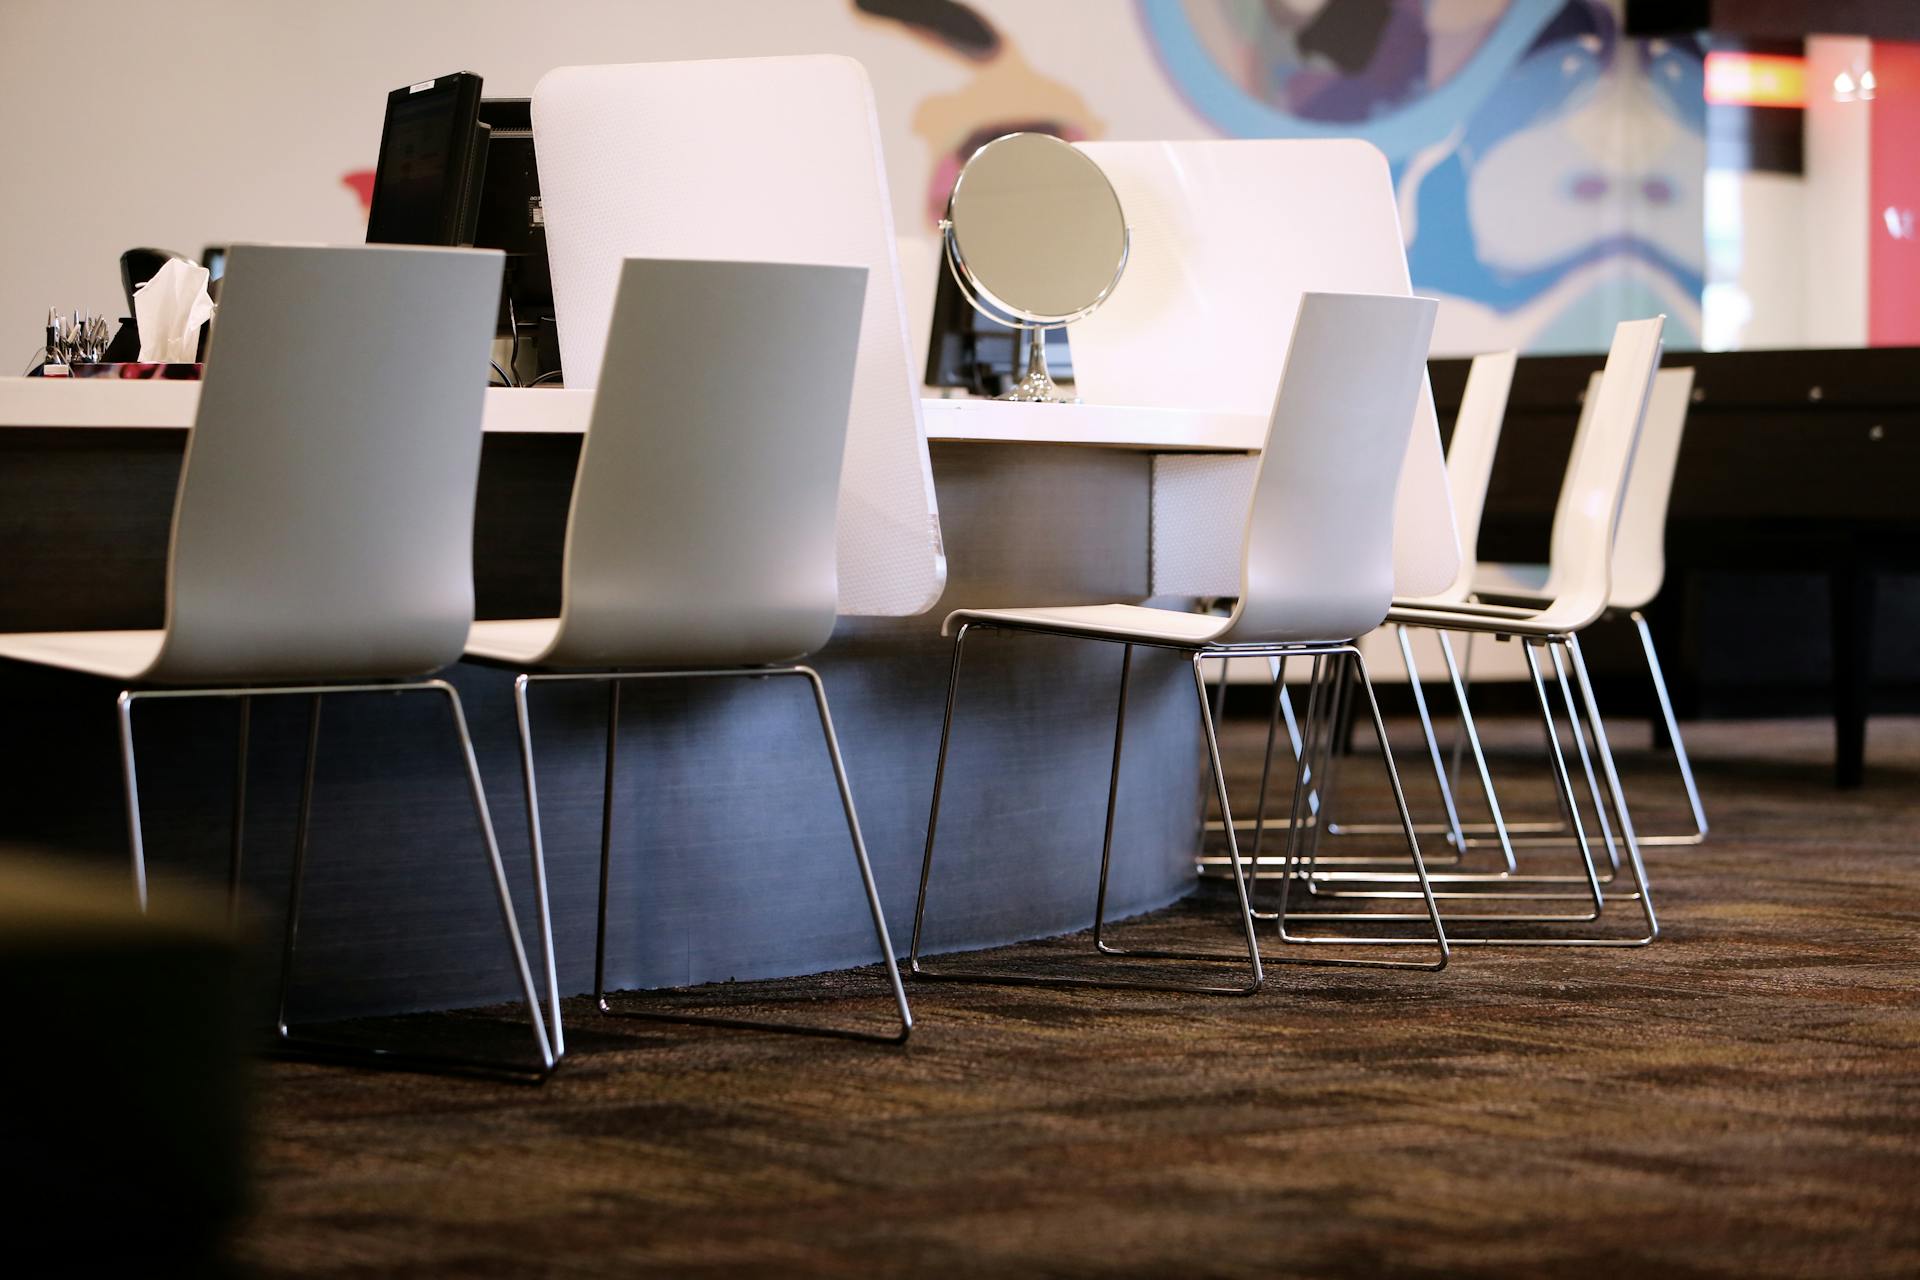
(123,1092)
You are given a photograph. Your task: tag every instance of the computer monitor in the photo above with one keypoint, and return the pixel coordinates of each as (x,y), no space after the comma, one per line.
(433,156)
(459,169)
(510,214)
(512,220)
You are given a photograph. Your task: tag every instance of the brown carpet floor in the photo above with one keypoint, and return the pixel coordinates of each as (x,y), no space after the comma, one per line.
(1741,1099)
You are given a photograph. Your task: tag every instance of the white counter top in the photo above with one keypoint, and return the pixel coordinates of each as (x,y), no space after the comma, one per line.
(127,403)
(1099,425)
(96,402)
(136,403)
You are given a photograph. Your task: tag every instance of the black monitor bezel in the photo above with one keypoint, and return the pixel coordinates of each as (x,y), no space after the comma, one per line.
(455,207)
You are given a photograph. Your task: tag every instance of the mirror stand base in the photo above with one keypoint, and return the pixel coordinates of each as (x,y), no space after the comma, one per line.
(1036,385)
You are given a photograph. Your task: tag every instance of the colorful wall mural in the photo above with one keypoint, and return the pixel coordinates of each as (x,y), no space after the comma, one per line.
(1549,168)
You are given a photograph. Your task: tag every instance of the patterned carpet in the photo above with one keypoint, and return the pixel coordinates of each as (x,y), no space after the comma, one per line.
(1741,1099)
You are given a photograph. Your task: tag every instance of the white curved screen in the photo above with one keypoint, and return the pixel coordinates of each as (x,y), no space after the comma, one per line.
(1226,236)
(769,159)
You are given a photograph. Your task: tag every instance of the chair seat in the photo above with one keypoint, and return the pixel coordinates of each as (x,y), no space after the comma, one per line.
(118,655)
(1127,621)
(1510,581)
(513,640)
(1485,618)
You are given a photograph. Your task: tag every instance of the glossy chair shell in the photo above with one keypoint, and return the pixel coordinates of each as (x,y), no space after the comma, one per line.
(1318,558)
(1639,547)
(702,529)
(1639,544)
(324,524)
(1595,492)
(1470,454)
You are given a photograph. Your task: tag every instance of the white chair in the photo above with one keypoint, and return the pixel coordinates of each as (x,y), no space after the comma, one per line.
(1469,464)
(1316,570)
(701,539)
(323,533)
(1639,557)
(1598,489)
(1225,234)
(1470,454)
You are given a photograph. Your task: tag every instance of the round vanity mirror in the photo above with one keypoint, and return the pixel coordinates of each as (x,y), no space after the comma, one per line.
(1035,237)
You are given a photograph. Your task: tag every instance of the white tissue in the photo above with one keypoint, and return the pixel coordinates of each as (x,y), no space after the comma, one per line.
(169,309)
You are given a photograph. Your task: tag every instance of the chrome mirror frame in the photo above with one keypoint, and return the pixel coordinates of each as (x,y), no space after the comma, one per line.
(1036,385)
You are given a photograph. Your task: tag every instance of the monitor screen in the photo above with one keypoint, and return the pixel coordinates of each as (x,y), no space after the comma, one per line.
(425,185)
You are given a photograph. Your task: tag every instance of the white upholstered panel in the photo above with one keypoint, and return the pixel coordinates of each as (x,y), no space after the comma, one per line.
(772,159)
(1227,235)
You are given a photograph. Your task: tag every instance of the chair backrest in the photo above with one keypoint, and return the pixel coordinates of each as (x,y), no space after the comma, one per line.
(1562,535)
(1470,452)
(1317,563)
(768,159)
(1639,545)
(1595,487)
(702,530)
(1226,236)
(324,523)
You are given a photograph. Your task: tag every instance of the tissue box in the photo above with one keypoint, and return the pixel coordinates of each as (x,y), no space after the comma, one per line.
(139,369)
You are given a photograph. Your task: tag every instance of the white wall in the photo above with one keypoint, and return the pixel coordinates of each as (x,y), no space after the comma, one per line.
(1837,160)
(1757,271)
